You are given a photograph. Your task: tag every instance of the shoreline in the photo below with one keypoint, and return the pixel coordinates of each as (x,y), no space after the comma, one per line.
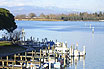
(55,20)
(38,20)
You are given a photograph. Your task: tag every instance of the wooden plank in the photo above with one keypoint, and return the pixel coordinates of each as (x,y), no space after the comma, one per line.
(10,67)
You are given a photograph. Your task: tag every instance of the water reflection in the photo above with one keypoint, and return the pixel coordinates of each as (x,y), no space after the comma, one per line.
(92,35)
(75,60)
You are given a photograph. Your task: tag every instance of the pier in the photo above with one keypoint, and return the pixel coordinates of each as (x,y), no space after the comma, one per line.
(41,54)
(48,55)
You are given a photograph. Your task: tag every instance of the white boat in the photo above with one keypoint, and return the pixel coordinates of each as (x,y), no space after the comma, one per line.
(61,48)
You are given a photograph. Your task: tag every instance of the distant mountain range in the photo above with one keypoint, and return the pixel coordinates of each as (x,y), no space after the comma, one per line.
(16,10)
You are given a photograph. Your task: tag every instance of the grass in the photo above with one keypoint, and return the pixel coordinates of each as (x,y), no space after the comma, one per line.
(5,43)
(7,48)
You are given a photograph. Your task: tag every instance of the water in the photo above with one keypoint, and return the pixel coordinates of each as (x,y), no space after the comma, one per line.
(72,32)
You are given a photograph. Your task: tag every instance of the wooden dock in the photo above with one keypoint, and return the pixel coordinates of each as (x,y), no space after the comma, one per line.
(34,57)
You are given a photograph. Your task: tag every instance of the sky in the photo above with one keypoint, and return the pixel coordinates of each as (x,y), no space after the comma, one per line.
(91,5)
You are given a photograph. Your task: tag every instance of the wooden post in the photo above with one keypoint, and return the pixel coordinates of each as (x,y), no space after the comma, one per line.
(21,57)
(3,64)
(7,60)
(73,47)
(77,46)
(71,53)
(25,59)
(40,58)
(46,50)
(48,57)
(52,49)
(48,47)
(43,57)
(27,63)
(14,58)
(64,60)
(56,57)
(25,56)
(12,65)
(32,53)
(21,65)
(32,56)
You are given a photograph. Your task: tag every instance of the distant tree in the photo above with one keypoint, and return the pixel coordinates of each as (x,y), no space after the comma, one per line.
(47,16)
(100,14)
(31,15)
(42,15)
(52,16)
(71,16)
(7,20)
(96,14)
(20,16)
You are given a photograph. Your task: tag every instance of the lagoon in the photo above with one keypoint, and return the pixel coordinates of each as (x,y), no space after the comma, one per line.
(72,32)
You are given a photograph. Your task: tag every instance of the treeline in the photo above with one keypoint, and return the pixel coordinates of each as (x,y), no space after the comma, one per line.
(66,17)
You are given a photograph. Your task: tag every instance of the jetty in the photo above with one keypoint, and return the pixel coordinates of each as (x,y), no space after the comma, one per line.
(45,54)
(49,55)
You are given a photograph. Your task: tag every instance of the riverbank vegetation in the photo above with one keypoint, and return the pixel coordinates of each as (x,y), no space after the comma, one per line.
(7,20)
(63,17)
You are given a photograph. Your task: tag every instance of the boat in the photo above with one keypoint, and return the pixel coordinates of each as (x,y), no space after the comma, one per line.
(61,48)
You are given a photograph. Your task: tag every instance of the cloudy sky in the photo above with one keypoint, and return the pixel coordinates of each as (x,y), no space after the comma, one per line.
(91,5)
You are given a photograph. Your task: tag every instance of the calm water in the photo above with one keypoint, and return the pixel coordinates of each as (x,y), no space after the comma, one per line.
(72,32)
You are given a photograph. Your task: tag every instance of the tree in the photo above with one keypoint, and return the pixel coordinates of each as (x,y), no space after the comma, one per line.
(100,14)
(31,15)
(7,20)
(20,16)
(42,15)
